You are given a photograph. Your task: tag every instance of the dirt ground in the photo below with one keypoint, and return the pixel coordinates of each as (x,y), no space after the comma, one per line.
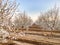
(33,38)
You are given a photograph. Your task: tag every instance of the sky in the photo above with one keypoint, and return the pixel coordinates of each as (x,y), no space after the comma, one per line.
(34,7)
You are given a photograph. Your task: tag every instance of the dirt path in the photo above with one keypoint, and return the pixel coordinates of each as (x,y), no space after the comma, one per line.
(34,40)
(22,43)
(30,39)
(13,42)
(38,40)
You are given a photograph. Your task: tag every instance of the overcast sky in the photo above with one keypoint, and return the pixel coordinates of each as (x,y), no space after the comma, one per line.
(34,7)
